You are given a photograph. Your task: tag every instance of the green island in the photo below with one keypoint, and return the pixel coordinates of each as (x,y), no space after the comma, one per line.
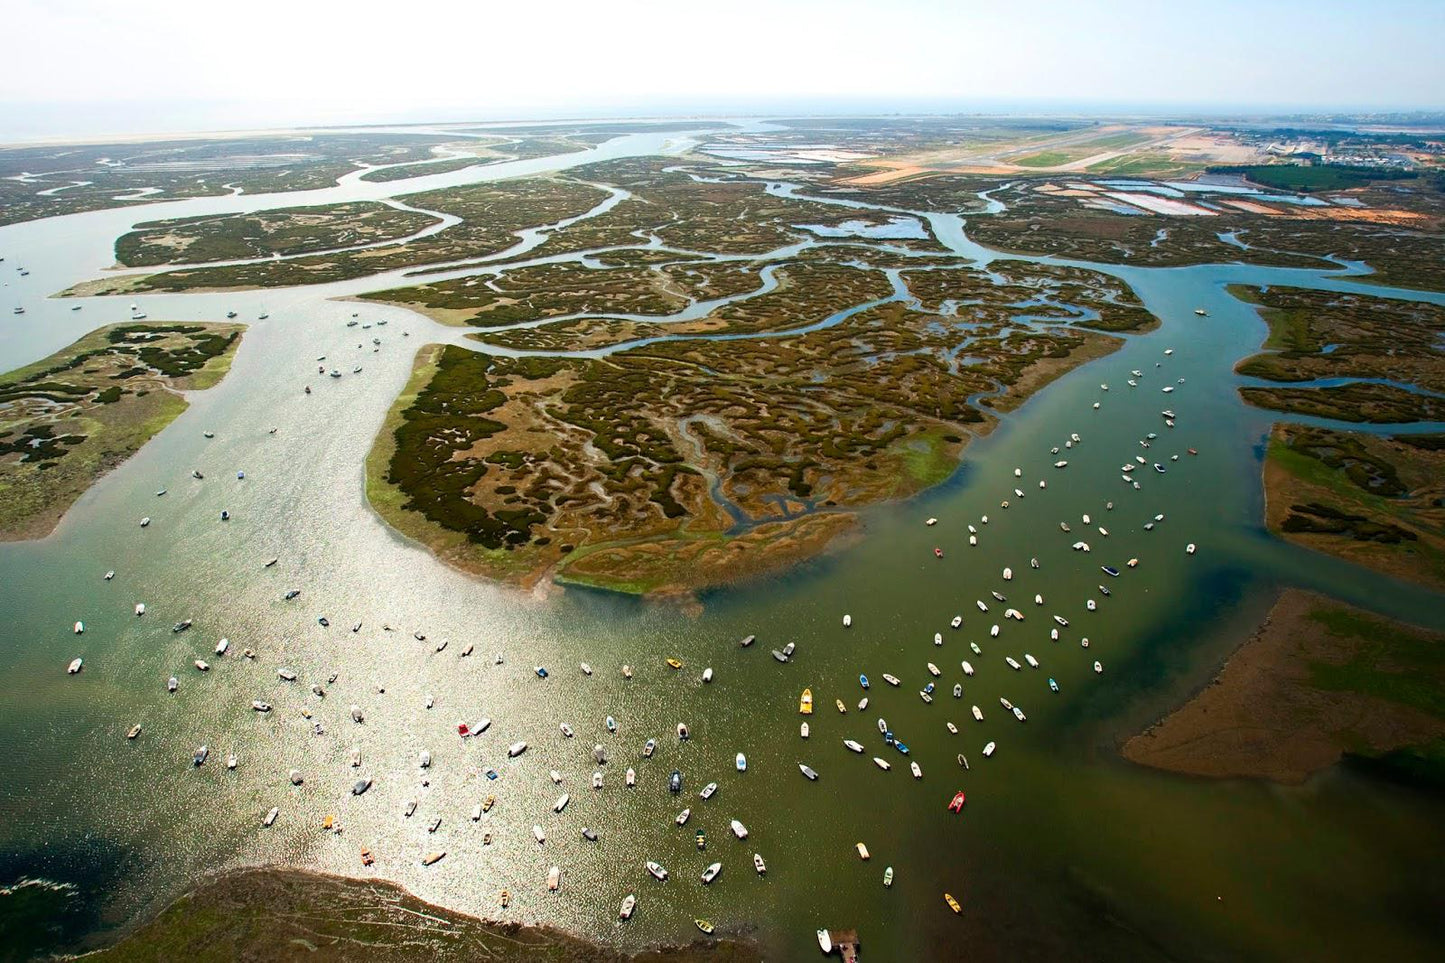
(1319,682)
(1327,335)
(672,466)
(287,231)
(67,420)
(1375,501)
(287,914)
(491,215)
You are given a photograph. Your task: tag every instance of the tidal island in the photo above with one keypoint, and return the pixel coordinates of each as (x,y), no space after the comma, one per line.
(1372,498)
(67,420)
(670,465)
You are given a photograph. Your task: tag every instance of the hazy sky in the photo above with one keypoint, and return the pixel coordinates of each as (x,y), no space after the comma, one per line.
(92,66)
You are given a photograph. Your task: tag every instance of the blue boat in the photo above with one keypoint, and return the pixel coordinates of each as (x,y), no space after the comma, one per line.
(863,681)
(541,672)
(491,774)
(901,747)
(888,737)
(928,688)
(1110,571)
(1053,685)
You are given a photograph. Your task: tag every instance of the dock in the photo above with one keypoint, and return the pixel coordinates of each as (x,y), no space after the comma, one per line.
(846,943)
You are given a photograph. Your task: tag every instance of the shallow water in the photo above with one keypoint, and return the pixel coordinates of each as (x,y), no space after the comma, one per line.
(1062,850)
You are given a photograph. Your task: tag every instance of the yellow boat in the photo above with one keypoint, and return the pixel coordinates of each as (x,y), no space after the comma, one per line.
(328,822)
(704,925)
(506,899)
(841,707)
(863,851)
(674,664)
(952,903)
(487,806)
(805,704)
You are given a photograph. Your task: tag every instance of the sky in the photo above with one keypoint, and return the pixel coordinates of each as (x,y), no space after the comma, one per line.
(88,67)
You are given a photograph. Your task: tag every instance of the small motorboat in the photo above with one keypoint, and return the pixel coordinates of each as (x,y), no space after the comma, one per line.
(882,763)
(978,713)
(933,670)
(956,622)
(707,675)
(759,865)
(259,706)
(516,749)
(741,762)
(541,672)
(171,684)
(916,769)
(566,730)
(1053,686)
(1033,662)
(182,625)
(708,790)
(988,750)
(134,731)
(847,621)
(198,758)
(862,679)
(956,806)
(863,853)
(505,899)
(682,733)
(586,669)
(958,690)
(882,725)
(1098,667)
(648,748)
(271,816)
(658,873)
(561,803)
(803,730)
(805,702)
(805,770)
(708,875)
(842,709)
(674,663)
(890,679)
(1189,549)
(611,724)
(748,640)
(674,783)
(110,575)
(539,836)
(963,760)
(937,552)
(202,665)
(629,903)
(75,666)
(706,925)
(739,830)
(952,903)
(1012,664)
(554,879)
(631,778)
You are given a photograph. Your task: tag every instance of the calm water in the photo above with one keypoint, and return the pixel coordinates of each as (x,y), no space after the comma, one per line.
(1062,850)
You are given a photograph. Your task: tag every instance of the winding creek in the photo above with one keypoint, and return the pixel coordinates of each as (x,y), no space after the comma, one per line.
(1063,850)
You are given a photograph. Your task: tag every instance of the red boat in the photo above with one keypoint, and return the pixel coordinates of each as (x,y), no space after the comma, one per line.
(957,805)
(1193,452)
(463,729)
(938,553)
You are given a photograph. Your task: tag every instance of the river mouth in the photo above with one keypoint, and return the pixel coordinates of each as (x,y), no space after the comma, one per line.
(1055,822)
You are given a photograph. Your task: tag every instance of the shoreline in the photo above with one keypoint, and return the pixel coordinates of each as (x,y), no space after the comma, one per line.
(1318,681)
(251,913)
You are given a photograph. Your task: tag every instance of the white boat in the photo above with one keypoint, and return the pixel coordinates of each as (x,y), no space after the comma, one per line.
(656,870)
(975,648)
(863,704)
(803,730)
(1189,549)
(931,521)
(933,670)
(271,816)
(982,606)
(356,714)
(110,575)
(203,665)
(890,679)
(631,778)
(556,776)
(566,730)
(847,621)
(988,750)
(231,760)
(222,646)
(145,522)
(854,746)
(953,729)
(683,817)
(1098,667)
(707,674)
(538,835)
(554,879)
(710,874)
(1033,662)
(742,762)
(140,608)
(1019,714)
(882,724)
(957,621)
(75,665)
(805,770)
(881,763)
(759,865)
(916,769)
(516,749)
(938,638)
(707,791)
(978,713)
(925,696)
(739,830)
(629,902)
(825,942)
(259,706)
(1011,663)
(560,804)
(1091,605)
(586,669)
(611,724)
